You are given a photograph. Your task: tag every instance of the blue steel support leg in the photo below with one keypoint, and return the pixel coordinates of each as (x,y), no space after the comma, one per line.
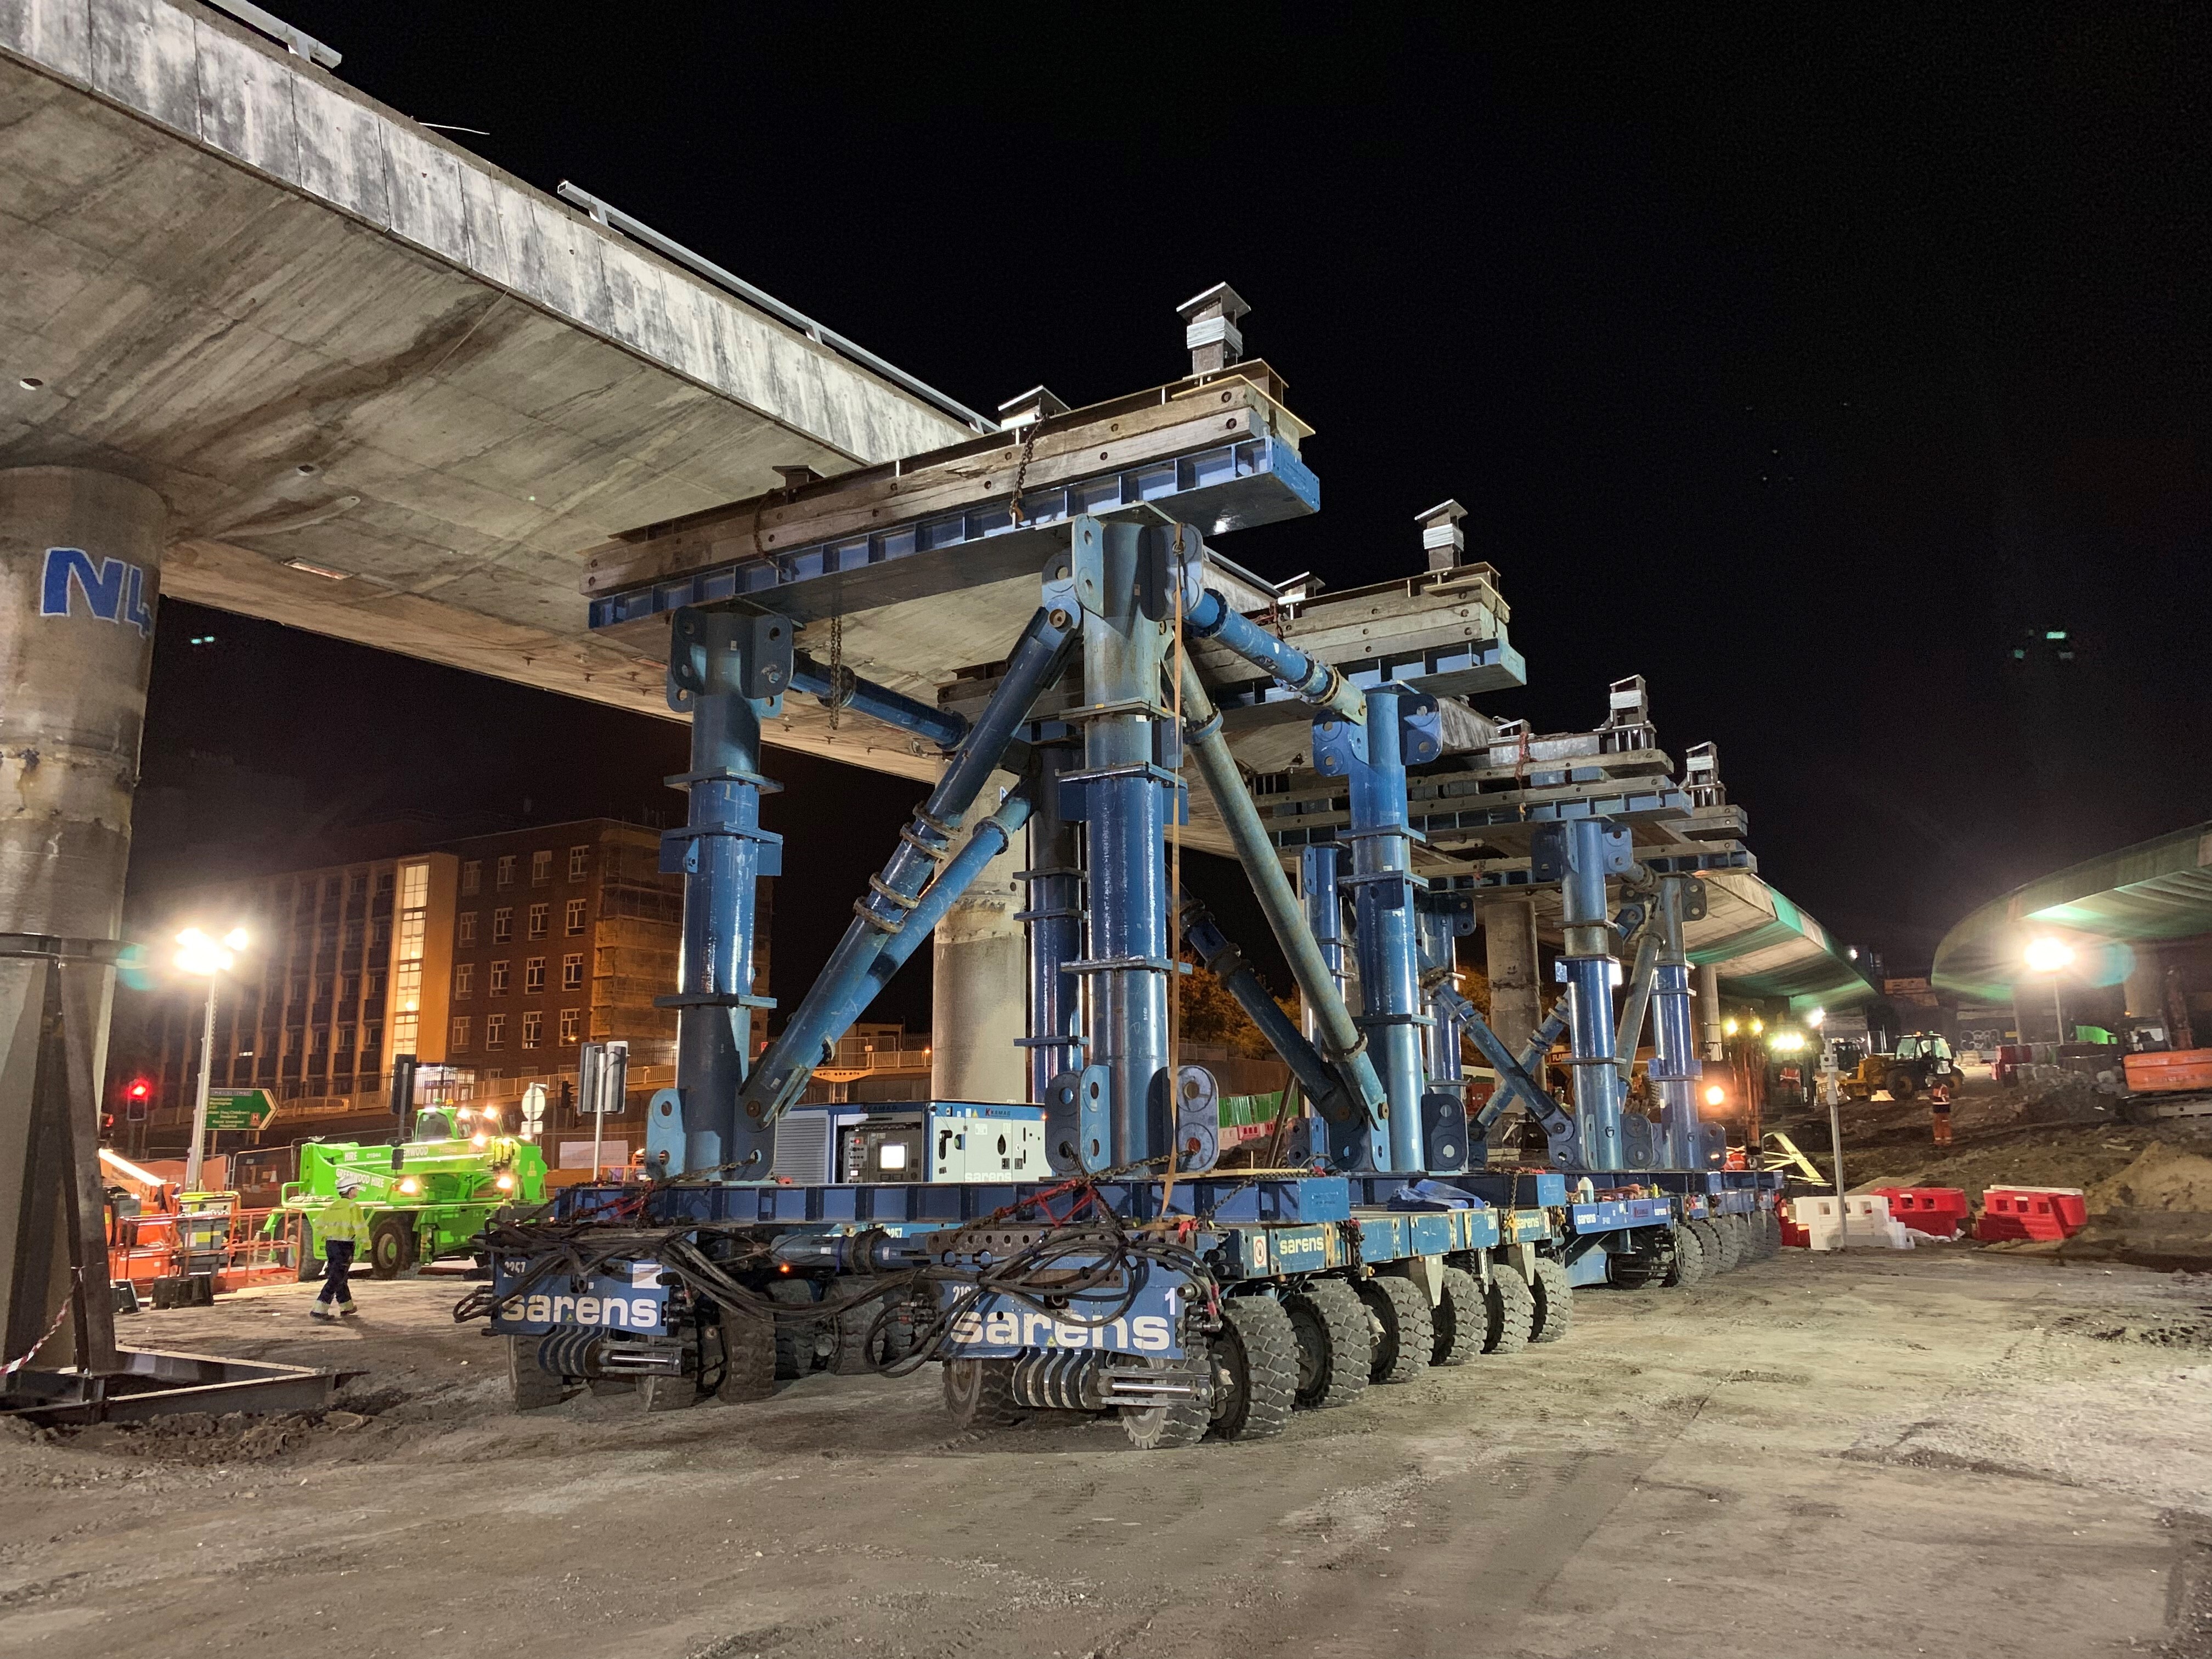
(1385,931)
(1054,918)
(727,671)
(1122,571)
(1675,1068)
(1035,663)
(1589,966)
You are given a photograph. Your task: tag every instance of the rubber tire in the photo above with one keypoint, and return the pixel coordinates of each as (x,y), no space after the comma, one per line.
(1729,1231)
(1691,1266)
(1401,1334)
(1178,1419)
(1901,1085)
(1718,1260)
(1256,1369)
(1334,1350)
(748,1344)
(980,1393)
(1460,1320)
(1746,1239)
(307,1264)
(854,1356)
(1555,1301)
(1760,1228)
(1736,1232)
(530,1387)
(1511,1306)
(1634,1270)
(391,1247)
(797,1341)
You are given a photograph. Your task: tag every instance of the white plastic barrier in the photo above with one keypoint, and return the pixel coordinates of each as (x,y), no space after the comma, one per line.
(1870,1222)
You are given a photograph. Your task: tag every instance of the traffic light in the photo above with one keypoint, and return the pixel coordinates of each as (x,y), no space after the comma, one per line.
(138,1101)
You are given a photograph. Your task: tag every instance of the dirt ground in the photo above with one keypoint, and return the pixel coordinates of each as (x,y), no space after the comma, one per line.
(1950,1450)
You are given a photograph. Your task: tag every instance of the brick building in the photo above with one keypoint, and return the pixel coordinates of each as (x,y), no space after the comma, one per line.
(496,957)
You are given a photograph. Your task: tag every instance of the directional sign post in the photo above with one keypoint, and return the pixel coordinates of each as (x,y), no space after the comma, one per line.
(243,1110)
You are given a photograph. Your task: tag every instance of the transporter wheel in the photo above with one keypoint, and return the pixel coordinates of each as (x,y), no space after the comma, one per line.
(854,1354)
(1717,1257)
(800,1344)
(1735,1242)
(1256,1369)
(1399,1330)
(1903,1086)
(1748,1245)
(1179,1419)
(1691,1266)
(391,1247)
(746,1341)
(1460,1320)
(1511,1306)
(1635,1270)
(1761,1234)
(1334,1350)
(980,1393)
(1555,1301)
(531,1385)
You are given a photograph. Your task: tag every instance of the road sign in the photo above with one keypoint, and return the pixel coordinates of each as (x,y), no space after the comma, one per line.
(240,1109)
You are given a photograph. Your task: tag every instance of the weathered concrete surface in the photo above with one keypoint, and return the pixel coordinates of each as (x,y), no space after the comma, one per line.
(323,333)
(1945,1452)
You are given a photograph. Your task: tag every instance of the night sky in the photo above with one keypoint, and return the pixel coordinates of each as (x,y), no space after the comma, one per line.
(1818,369)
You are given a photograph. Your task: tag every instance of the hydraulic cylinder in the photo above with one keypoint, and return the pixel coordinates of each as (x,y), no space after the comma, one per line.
(1588,967)
(1385,930)
(1675,1067)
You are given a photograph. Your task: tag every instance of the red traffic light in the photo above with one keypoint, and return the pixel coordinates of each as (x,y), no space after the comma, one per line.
(140,1090)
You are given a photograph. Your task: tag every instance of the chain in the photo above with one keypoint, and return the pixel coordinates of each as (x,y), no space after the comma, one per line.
(836,665)
(1022,469)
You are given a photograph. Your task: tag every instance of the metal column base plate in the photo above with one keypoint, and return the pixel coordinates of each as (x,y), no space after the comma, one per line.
(147,1384)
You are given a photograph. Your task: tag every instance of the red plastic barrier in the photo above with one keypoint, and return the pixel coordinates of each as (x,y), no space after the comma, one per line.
(2044,1212)
(1793,1236)
(1939,1212)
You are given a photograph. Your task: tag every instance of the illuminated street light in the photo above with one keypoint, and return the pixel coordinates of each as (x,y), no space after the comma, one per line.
(1728,1026)
(212,958)
(2051,957)
(1817,1018)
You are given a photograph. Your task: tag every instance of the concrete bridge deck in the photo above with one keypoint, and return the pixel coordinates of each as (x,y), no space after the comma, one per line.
(327,335)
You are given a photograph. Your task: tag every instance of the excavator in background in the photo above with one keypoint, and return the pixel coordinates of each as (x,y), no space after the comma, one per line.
(1922,1061)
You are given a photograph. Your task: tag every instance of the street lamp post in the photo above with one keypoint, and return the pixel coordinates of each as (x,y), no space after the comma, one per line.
(199,954)
(2052,956)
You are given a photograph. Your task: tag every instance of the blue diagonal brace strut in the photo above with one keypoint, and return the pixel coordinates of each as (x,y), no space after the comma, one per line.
(1037,660)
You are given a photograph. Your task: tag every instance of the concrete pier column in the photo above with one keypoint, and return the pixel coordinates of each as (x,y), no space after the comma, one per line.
(2145,989)
(1715,1045)
(1509,942)
(979,994)
(80,565)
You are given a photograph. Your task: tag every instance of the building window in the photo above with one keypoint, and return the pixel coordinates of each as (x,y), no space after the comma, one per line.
(580,860)
(572,1025)
(541,866)
(494,1031)
(472,876)
(506,876)
(533,1027)
(345,1039)
(357,886)
(576,916)
(379,933)
(537,918)
(465,931)
(533,975)
(384,883)
(352,937)
(503,925)
(498,986)
(465,979)
(460,1030)
(572,972)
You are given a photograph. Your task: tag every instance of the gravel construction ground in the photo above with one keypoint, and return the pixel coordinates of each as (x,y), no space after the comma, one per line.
(1949,1451)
